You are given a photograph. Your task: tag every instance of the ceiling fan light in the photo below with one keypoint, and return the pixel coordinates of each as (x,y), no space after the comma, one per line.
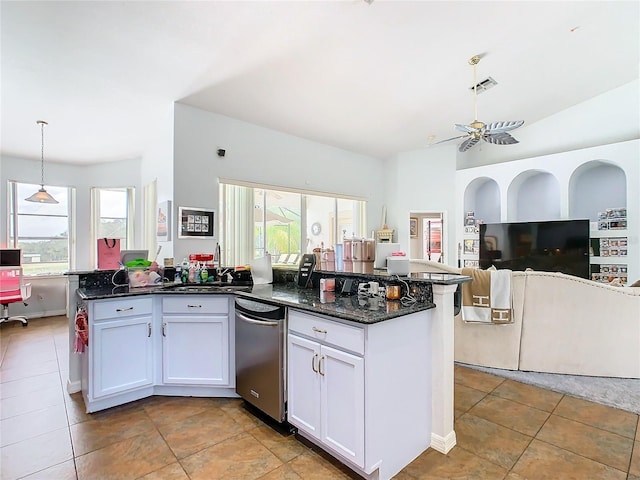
(41,196)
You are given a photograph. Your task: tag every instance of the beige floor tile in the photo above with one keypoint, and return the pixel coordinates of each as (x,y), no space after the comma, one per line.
(599,445)
(607,418)
(634,469)
(283,446)
(510,414)
(28,385)
(490,441)
(63,471)
(31,401)
(167,410)
(22,427)
(173,471)
(482,381)
(16,373)
(311,466)
(239,458)
(130,458)
(283,472)
(464,398)
(35,454)
(457,464)
(529,395)
(100,432)
(542,461)
(197,432)
(27,357)
(247,420)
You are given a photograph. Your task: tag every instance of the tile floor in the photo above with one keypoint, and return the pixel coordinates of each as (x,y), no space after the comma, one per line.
(505,430)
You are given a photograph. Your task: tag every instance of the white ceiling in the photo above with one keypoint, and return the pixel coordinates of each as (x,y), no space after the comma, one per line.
(376,78)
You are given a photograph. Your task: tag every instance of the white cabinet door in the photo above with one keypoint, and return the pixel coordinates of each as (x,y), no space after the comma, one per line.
(121,355)
(326,396)
(195,350)
(303,385)
(342,402)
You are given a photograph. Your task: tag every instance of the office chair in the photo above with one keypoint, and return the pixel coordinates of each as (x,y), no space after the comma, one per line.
(12,287)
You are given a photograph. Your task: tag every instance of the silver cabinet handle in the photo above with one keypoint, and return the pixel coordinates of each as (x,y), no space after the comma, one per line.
(313,363)
(194,306)
(320,366)
(164,331)
(149,330)
(123,309)
(317,330)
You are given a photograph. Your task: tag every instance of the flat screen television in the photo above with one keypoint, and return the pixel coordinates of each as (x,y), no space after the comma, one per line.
(550,246)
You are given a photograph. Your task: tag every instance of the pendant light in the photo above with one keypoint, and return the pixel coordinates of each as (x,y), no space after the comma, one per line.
(41,196)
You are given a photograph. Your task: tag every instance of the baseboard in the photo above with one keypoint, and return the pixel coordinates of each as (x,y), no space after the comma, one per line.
(443,444)
(73,387)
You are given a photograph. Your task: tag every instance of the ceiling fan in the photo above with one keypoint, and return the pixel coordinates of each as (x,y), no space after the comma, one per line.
(495,132)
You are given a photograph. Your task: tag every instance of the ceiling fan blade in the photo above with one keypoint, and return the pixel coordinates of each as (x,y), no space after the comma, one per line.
(448,139)
(467,144)
(501,127)
(465,128)
(502,138)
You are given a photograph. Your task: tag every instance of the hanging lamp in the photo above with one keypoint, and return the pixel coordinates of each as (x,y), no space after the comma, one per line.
(41,196)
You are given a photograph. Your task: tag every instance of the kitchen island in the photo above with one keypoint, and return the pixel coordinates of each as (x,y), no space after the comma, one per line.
(396,365)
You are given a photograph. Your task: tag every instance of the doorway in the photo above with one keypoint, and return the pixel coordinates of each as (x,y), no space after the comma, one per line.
(427,236)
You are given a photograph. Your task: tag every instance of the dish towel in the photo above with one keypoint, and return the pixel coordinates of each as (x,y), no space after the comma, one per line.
(487,299)
(82,330)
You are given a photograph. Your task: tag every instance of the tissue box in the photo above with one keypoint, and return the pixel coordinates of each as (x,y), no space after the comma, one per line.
(398,266)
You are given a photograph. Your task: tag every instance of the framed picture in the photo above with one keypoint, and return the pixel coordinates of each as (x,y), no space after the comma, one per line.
(196,222)
(163,222)
(413,227)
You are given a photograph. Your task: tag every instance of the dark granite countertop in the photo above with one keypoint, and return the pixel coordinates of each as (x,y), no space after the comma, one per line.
(366,310)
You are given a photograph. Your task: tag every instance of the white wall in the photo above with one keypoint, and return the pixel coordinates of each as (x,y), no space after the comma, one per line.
(422,181)
(157,164)
(258,154)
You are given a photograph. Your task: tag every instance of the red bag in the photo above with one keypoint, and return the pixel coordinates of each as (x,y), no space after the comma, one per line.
(108,253)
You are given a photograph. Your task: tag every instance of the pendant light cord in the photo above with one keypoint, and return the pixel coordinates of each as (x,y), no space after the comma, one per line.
(42,123)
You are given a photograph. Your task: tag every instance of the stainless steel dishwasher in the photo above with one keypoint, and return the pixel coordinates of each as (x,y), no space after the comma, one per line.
(261,356)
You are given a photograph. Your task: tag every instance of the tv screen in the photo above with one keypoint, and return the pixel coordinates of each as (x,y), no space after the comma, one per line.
(551,246)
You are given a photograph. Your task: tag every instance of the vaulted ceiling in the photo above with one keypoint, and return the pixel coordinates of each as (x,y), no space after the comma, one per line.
(375,78)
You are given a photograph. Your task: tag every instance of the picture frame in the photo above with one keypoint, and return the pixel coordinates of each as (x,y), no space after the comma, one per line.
(194,222)
(163,221)
(413,227)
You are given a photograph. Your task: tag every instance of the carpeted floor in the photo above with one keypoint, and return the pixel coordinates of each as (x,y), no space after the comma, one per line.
(622,393)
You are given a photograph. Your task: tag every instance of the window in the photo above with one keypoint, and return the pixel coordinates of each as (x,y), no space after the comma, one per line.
(41,230)
(256,219)
(112,216)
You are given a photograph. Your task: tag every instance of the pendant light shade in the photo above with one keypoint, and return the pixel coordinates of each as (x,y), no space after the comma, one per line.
(41,196)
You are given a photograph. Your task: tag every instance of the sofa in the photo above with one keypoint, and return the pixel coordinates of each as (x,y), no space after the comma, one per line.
(561,324)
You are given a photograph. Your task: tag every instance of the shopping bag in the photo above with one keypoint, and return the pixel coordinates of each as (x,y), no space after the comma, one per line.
(108,253)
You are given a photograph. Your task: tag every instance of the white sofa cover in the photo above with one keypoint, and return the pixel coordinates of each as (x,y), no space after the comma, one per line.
(562,324)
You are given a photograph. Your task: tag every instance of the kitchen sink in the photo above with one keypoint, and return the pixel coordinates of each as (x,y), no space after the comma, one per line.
(208,288)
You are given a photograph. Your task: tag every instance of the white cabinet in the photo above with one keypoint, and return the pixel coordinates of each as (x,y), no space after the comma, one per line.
(326,385)
(195,340)
(362,392)
(120,351)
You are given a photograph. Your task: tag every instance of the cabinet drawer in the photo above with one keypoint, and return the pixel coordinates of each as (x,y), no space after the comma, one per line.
(327,331)
(126,307)
(195,304)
